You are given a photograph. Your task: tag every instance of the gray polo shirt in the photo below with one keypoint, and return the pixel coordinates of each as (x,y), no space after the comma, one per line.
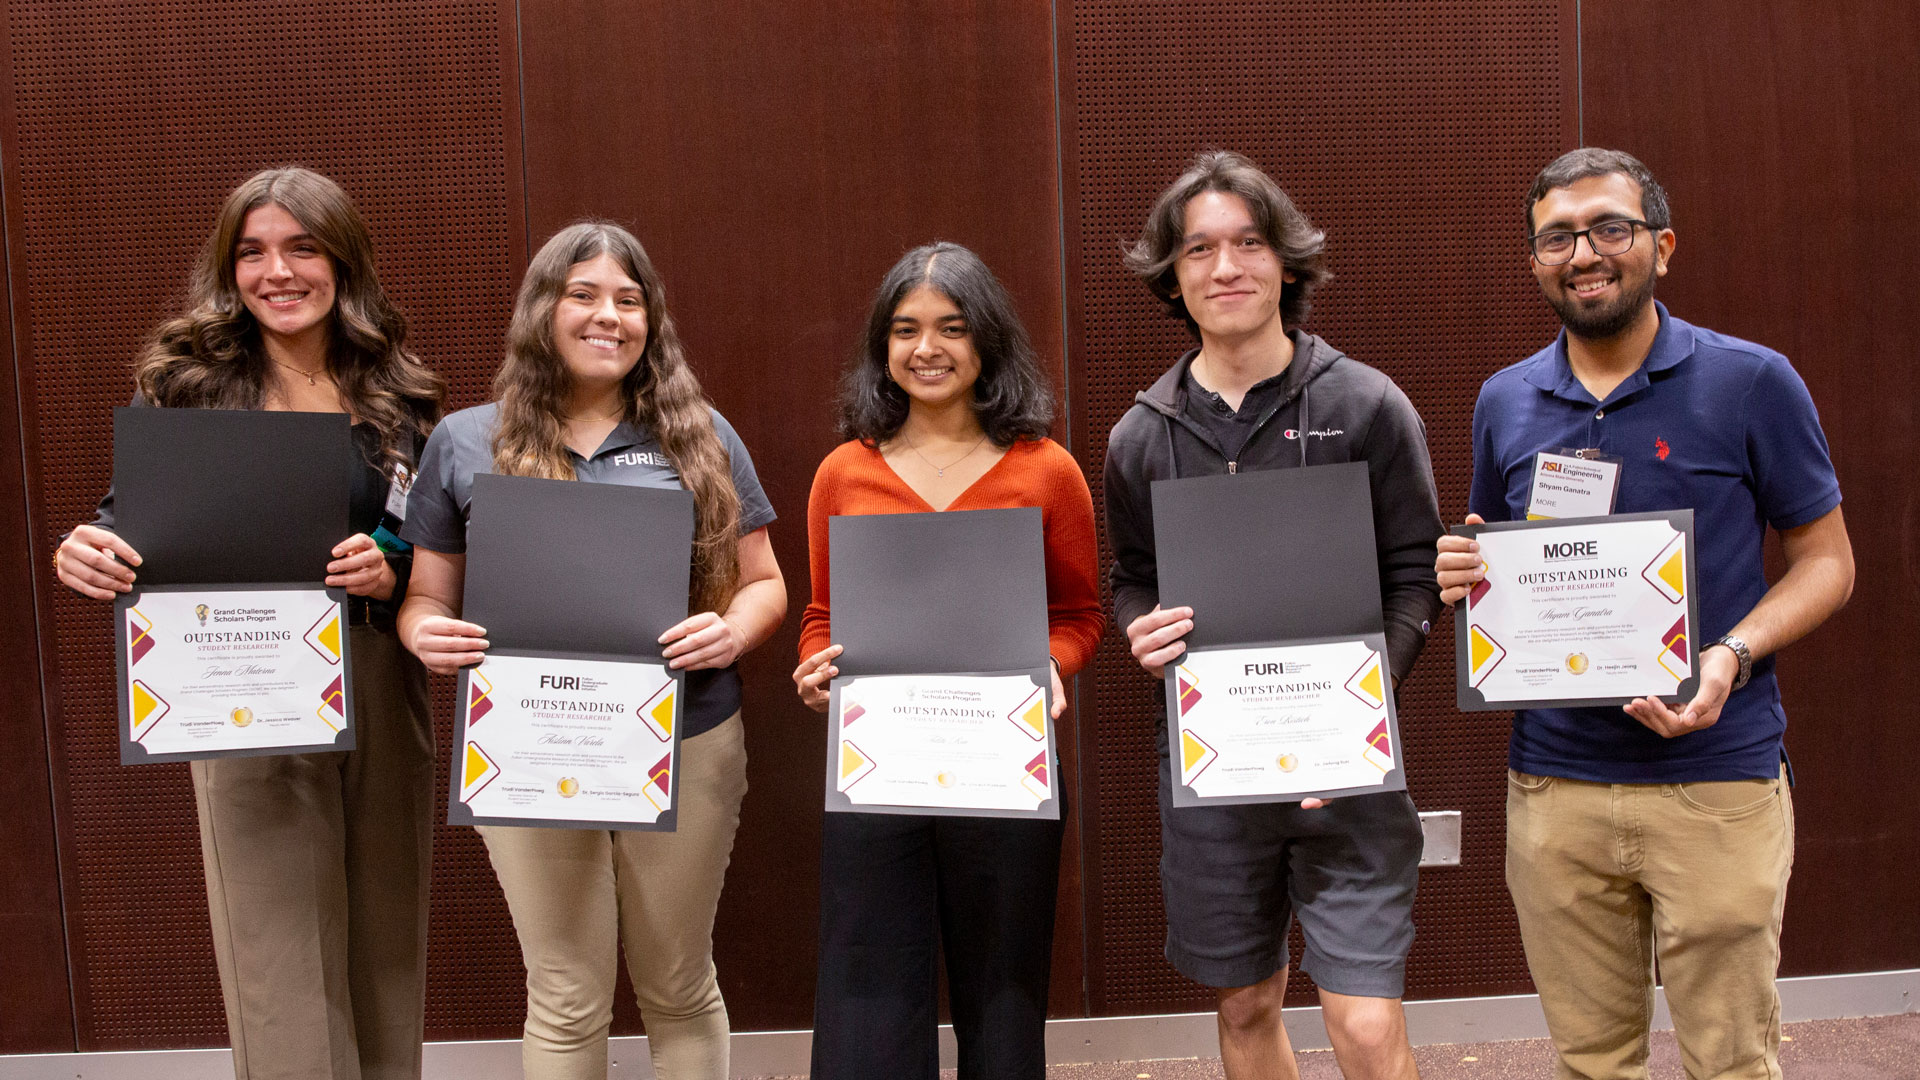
(442,503)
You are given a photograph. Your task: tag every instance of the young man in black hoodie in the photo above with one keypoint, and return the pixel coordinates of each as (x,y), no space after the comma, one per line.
(1230,254)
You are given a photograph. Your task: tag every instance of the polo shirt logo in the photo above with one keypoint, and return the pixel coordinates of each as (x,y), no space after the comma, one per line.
(1660,448)
(642,457)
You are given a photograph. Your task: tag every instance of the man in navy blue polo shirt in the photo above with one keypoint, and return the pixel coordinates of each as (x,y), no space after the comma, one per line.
(1663,829)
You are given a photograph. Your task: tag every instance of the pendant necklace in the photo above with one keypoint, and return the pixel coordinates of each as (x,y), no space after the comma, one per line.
(941,470)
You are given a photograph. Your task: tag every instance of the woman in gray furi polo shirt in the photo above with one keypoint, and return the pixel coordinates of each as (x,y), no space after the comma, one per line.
(594,387)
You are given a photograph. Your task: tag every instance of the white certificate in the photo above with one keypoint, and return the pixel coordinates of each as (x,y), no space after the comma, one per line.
(565,742)
(218,670)
(1592,611)
(977,745)
(1280,723)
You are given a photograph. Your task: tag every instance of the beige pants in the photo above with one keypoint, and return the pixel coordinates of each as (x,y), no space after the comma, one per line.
(1608,877)
(577,894)
(317,868)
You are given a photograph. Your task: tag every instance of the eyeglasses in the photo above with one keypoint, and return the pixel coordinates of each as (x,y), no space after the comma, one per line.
(1606,238)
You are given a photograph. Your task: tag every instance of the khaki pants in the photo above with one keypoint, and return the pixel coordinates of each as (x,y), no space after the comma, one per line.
(317,868)
(1608,877)
(577,894)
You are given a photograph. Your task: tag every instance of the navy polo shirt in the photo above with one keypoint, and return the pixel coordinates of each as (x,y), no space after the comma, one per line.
(441,505)
(1711,423)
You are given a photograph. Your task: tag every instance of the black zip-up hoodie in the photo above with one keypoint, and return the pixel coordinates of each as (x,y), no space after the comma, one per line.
(1332,409)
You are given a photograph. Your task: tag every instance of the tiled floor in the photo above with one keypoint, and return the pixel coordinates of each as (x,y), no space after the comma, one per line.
(1877,1048)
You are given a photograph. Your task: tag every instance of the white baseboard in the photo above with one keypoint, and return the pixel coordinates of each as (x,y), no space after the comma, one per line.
(1069,1042)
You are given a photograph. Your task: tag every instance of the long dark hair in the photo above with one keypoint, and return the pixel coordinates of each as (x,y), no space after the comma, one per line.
(212,356)
(660,395)
(1012,397)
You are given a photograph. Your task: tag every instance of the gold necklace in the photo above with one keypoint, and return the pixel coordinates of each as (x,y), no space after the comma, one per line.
(592,419)
(303,371)
(941,470)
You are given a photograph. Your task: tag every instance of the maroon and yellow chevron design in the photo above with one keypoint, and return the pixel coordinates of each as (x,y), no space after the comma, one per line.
(333,700)
(1036,779)
(1676,638)
(479,702)
(139,636)
(1031,715)
(1189,690)
(1673,656)
(1480,588)
(657,713)
(323,636)
(1379,749)
(1667,573)
(147,707)
(1369,682)
(659,786)
(476,772)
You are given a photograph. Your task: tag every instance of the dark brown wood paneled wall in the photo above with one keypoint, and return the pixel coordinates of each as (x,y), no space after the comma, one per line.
(129,123)
(776,159)
(1409,132)
(36,1000)
(1786,136)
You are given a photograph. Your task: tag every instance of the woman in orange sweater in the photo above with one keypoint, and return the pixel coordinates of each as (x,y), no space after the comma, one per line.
(946,408)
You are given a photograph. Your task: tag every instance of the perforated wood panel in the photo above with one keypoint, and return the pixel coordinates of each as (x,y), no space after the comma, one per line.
(773,195)
(1410,132)
(130,122)
(1793,205)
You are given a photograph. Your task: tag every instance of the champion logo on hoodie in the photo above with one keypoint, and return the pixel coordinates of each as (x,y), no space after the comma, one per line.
(1292,434)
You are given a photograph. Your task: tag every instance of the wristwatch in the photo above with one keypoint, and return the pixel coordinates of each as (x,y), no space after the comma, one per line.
(1745,656)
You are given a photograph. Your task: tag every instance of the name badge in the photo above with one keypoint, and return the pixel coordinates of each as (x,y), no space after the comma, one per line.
(1573,483)
(397,492)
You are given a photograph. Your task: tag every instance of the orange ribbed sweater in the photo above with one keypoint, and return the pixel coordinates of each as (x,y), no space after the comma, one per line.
(855,479)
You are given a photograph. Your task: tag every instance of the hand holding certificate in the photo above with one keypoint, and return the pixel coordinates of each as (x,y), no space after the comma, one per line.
(942,703)
(573,718)
(1284,693)
(229,644)
(1585,611)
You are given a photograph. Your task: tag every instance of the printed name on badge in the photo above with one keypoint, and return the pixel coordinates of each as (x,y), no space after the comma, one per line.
(1573,483)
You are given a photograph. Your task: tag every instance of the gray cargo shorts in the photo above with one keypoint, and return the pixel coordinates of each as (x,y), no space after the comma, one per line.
(1234,875)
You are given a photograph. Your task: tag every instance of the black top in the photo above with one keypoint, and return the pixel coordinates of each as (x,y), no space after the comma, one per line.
(1229,427)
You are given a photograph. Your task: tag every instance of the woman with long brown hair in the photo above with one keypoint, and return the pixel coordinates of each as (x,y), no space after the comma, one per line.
(595,387)
(316,864)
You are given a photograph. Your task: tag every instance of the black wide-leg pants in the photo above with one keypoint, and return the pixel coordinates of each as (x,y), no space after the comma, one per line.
(892,888)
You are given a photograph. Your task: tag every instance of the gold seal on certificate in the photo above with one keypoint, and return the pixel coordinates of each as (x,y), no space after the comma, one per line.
(1590,611)
(211,671)
(1280,723)
(567,743)
(975,744)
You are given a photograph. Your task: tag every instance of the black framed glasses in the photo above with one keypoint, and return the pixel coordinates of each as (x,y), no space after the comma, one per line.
(1607,238)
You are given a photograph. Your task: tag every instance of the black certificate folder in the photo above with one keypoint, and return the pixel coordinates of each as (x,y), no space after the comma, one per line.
(225,496)
(955,593)
(1270,556)
(960,592)
(562,567)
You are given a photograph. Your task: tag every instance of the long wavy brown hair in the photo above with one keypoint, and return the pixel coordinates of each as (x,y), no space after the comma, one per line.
(660,394)
(212,357)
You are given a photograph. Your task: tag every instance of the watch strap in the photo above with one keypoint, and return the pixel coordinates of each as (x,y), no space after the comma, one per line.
(1744,654)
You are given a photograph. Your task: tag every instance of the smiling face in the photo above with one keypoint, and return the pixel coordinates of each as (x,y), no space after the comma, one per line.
(1599,296)
(284,277)
(1229,277)
(599,322)
(930,350)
